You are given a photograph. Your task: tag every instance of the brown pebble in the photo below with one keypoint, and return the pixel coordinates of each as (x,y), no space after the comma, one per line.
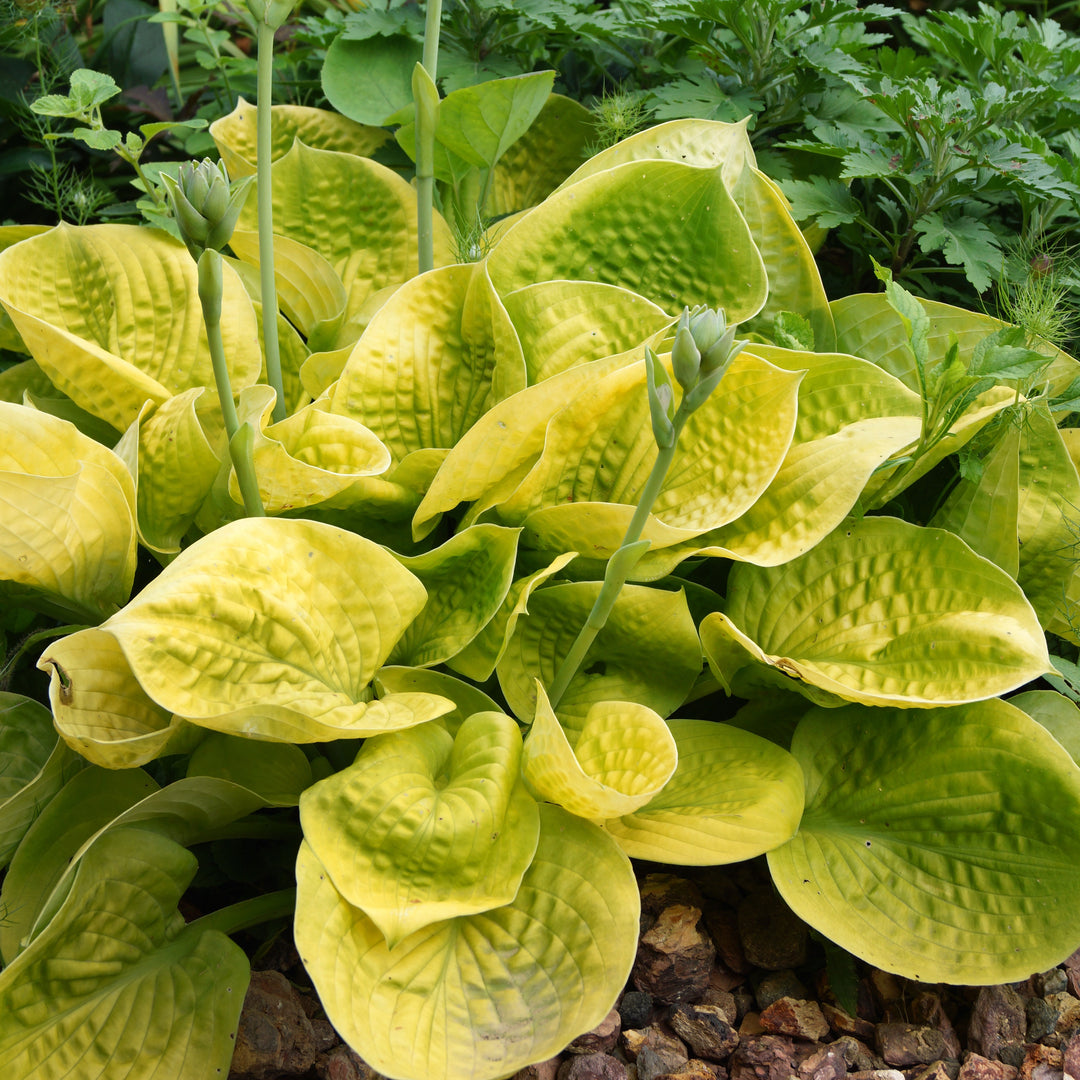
(602,1038)
(724,1001)
(675,957)
(1041,1063)
(344,1063)
(772,936)
(998,1021)
(592,1067)
(927,1009)
(904,1045)
(843,1024)
(1070,1058)
(825,1063)
(654,1038)
(763,1057)
(1068,1010)
(857,1054)
(274,1037)
(977,1067)
(937,1070)
(800,1019)
(542,1070)
(695,1070)
(705,1030)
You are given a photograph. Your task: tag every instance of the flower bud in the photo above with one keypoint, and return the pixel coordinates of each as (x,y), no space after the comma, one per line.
(707,325)
(685,355)
(204,204)
(272,12)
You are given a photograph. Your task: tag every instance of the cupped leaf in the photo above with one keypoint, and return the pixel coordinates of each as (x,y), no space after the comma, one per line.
(486,994)
(668,231)
(34,766)
(276,772)
(100,709)
(467,699)
(619,759)
(881,612)
(425,826)
(309,457)
(112,315)
(733,796)
(117,984)
(274,627)
(466,579)
(562,324)
(942,845)
(369,240)
(646,653)
(323,129)
(67,532)
(174,465)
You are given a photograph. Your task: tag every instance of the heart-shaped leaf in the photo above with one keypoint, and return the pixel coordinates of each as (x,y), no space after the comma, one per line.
(943,845)
(424,827)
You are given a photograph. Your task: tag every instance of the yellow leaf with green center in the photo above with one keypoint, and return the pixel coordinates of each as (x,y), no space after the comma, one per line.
(600,449)
(467,698)
(733,796)
(101,710)
(369,239)
(322,129)
(174,466)
(466,579)
(309,456)
(615,763)
(562,324)
(942,845)
(425,826)
(668,231)
(112,315)
(480,995)
(273,628)
(67,539)
(628,661)
(881,612)
(442,343)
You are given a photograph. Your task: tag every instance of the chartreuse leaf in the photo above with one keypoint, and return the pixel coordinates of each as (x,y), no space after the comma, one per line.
(274,627)
(276,772)
(370,80)
(467,698)
(528,171)
(479,123)
(619,759)
(112,315)
(479,658)
(323,129)
(486,994)
(89,801)
(444,343)
(68,509)
(34,766)
(425,826)
(881,612)
(466,579)
(562,324)
(942,845)
(310,456)
(1056,713)
(733,796)
(99,707)
(668,231)
(983,512)
(600,449)
(371,241)
(174,466)
(630,660)
(117,984)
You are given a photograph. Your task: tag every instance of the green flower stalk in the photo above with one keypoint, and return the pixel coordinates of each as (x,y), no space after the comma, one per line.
(206,206)
(426,98)
(701,355)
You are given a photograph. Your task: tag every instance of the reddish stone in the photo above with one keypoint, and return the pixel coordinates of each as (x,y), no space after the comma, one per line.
(763,1057)
(977,1067)
(800,1019)
(825,1063)
(705,1030)
(542,1070)
(997,1021)
(675,957)
(1041,1063)
(592,1067)
(602,1038)
(843,1024)
(905,1045)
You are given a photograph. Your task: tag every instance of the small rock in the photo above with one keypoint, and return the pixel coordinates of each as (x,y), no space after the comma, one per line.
(937,1070)
(635,1008)
(654,1038)
(344,1063)
(1041,1017)
(763,1057)
(877,1074)
(825,1063)
(659,891)
(601,1039)
(777,984)
(1068,1010)
(843,1024)
(275,1038)
(696,1070)
(723,926)
(885,988)
(800,1019)
(998,1024)
(909,1044)
(751,1025)
(653,1063)
(772,936)
(705,1030)
(977,1067)
(675,957)
(1070,1059)
(542,1070)
(724,1001)
(744,1003)
(927,1009)
(1041,1063)
(592,1067)
(857,1054)
(1054,981)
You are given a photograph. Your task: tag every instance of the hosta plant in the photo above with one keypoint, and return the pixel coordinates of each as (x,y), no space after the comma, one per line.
(788,657)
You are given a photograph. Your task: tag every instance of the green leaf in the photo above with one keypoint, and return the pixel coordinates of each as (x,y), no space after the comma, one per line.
(277,772)
(89,88)
(880,612)
(1056,713)
(368,81)
(98,139)
(964,241)
(486,994)
(942,845)
(733,796)
(117,981)
(479,123)
(424,827)
(467,698)
(825,202)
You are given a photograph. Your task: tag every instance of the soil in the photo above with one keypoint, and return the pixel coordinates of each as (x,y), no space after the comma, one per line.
(729,985)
